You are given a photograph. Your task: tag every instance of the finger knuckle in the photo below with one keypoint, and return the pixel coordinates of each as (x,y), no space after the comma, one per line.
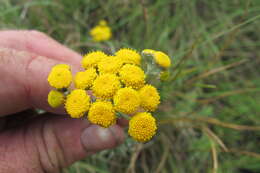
(51,151)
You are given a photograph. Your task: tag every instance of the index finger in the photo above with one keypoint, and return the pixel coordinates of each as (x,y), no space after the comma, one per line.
(38,43)
(24,81)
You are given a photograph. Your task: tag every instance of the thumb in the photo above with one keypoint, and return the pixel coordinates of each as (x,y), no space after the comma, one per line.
(53,142)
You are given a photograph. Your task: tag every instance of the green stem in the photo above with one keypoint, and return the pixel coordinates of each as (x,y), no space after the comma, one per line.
(122,115)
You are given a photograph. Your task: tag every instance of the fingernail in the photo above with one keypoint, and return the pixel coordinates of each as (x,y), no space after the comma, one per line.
(96,138)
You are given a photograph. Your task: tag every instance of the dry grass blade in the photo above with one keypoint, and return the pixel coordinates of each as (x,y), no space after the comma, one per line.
(131,167)
(228,125)
(228,93)
(214,157)
(210,121)
(236,151)
(144,164)
(214,71)
(215,138)
(165,154)
(248,153)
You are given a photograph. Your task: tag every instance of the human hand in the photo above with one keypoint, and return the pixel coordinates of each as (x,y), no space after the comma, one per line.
(45,143)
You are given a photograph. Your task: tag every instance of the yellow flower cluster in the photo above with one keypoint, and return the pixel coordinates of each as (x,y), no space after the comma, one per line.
(101,32)
(110,86)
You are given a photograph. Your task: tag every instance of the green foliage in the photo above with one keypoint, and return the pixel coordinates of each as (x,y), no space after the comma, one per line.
(214,47)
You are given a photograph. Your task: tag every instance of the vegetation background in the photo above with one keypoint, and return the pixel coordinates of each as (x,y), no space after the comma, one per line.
(209,119)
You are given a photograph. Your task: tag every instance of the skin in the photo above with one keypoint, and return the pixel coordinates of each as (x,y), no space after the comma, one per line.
(50,142)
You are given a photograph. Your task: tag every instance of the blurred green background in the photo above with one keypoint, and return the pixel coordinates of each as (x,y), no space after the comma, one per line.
(209,119)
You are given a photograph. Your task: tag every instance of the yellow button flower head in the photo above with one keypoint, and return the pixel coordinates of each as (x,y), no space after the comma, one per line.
(62,66)
(148,51)
(132,76)
(162,59)
(77,103)
(129,56)
(92,59)
(142,127)
(85,79)
(102,113)
(55,98)
(127,100)
(105,86)
(101,32)
(111,64)
(60,77)
(150,98)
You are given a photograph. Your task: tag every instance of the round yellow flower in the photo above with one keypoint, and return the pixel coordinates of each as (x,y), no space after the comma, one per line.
(92,59)
(132,76)
(127,100)
(105,86)
(111,64)
(162,59)
(150,98)
(148,51)
(77,103)
(60,77)
(85,79)
(55,98)
(102,113)
(129,56)
(142,127)
(101,32)
(62,66)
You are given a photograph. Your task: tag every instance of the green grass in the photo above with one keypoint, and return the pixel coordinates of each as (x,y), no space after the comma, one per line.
(214,47)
